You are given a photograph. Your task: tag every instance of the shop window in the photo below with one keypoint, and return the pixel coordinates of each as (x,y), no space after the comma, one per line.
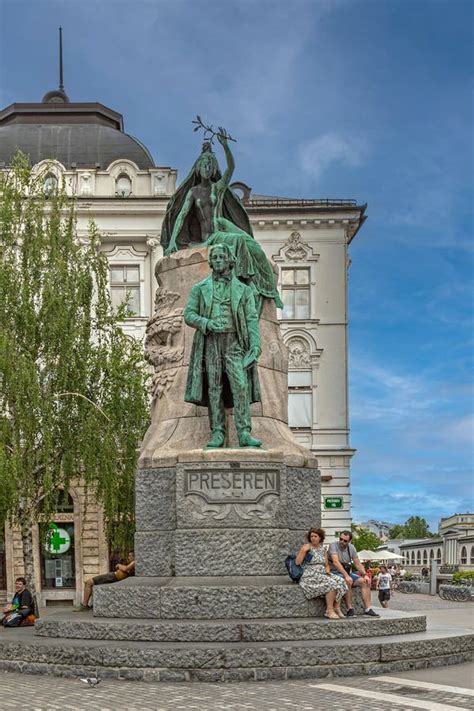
(463,555)
(57,553)
(295,287)
(300,399)
(125,283)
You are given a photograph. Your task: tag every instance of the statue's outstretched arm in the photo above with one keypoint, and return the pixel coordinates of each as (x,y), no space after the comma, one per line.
(183,213)
(222,138)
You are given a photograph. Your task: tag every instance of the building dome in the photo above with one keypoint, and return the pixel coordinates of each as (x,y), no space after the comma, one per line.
(78,135)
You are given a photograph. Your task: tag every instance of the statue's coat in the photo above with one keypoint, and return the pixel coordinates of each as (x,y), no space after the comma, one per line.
(196,314)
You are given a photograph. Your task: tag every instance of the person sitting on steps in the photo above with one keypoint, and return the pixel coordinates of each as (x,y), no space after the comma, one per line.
(341,555)
(121,572)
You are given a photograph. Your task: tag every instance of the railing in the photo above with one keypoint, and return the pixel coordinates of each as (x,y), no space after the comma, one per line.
(287,202)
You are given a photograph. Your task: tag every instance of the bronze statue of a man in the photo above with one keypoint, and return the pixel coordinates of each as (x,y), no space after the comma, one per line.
(222,369)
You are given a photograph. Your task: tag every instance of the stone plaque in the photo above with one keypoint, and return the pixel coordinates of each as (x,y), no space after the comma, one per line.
(231,486)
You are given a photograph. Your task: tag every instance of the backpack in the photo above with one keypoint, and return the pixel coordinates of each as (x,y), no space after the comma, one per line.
(295,571)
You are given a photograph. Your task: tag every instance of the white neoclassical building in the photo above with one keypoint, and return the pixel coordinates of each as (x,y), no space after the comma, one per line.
(117,184)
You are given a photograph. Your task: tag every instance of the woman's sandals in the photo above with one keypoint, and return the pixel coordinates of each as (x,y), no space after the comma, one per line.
(331,615)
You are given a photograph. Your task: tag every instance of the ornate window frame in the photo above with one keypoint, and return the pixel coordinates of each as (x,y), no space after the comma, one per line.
(297,254)
(303,356)
(125,255)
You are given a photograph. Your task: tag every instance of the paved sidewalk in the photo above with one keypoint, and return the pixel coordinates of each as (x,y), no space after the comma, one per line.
(44,693)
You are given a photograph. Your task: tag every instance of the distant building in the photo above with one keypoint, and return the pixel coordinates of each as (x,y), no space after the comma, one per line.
(454,546)
(457,520)
(380,528)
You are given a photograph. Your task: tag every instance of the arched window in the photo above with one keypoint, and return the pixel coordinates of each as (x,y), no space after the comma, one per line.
(425,557)
(413,557)
(431,554)
(123,186)
(438,555)
(463,555)
(472,555)
(50,184)
(418,557)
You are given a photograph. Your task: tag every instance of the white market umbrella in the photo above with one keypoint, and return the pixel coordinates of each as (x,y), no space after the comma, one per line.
(367,555)
(389,555)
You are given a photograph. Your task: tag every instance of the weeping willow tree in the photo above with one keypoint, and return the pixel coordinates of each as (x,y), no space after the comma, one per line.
(73,402)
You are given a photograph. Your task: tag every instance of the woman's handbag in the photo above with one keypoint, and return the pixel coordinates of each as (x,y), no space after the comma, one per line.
(296,571)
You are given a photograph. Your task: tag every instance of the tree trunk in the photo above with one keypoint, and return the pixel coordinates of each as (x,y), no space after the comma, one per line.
(27,545)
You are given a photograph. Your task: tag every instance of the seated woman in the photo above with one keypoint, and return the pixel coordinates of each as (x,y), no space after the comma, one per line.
(317,580)
(205,211)
(21,606)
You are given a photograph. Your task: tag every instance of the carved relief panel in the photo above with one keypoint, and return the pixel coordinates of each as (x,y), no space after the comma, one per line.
(164,341)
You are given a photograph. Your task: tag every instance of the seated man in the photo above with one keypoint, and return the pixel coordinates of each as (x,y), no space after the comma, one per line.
(121,572)
(341,555)
(20,607)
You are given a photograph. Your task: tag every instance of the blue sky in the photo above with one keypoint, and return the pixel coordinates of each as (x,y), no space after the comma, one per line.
(366,99)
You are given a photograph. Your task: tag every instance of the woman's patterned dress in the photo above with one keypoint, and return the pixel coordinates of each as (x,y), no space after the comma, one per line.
(315,583)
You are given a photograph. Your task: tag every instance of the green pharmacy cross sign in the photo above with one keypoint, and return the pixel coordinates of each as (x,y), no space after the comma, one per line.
(57,540)
(333,502)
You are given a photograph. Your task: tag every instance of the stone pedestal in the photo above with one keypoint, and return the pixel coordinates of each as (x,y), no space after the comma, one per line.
(214,517)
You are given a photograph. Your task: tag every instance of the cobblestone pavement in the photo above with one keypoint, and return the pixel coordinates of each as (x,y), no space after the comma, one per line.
(420,603)
(44,693)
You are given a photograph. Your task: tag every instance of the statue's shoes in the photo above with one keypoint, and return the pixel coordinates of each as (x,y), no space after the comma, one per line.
(216,441)
(246,440)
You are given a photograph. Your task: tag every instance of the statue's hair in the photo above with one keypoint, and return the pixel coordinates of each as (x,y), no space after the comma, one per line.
(205,156)
(227,249)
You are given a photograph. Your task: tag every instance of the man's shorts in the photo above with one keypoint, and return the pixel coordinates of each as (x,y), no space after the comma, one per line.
(384,595)
(105,578)
(354,576)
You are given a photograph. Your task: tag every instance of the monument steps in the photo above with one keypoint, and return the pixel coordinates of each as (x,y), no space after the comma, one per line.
(192,598)
(236,630)
(21,650)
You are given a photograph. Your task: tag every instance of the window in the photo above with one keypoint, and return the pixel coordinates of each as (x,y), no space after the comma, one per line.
(438,555)
(123,186)
(472,555)
(463,555)
(125,282)
(300,399)
(50,184)
(413,557)
(418,557)
(431,554)
(295,284)
(425,557)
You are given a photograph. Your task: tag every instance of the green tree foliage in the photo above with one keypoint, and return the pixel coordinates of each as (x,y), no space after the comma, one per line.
(73,401)
(363,539)
(414,527)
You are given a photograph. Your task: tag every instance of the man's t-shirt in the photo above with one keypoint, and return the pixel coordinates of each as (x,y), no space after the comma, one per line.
(384,581)
(346,555)
(23,599)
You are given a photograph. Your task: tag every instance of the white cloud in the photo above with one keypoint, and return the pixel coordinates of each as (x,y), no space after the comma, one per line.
(461,430)
(319,154)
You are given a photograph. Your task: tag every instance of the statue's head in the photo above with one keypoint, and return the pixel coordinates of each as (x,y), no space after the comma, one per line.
(206,165)
(221,258)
